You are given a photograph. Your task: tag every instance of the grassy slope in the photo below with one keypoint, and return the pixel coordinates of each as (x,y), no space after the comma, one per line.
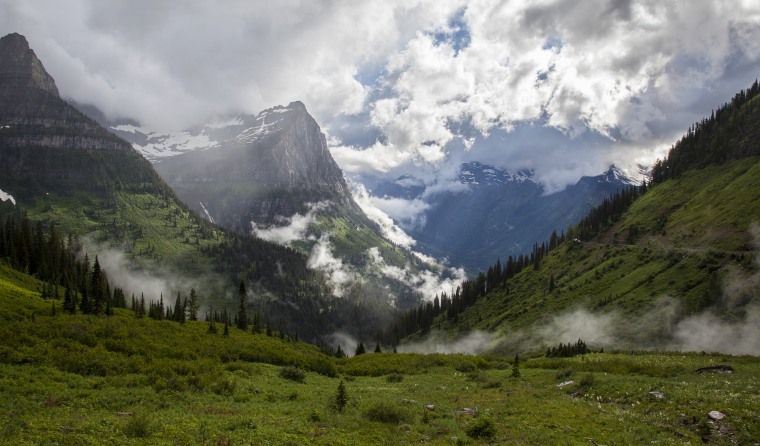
(121,380)
(146,226)
(696,231)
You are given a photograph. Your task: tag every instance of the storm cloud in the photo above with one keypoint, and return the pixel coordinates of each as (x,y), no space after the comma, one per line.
(413,86)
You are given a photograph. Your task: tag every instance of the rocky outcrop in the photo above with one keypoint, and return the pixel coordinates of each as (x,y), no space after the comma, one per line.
(48,146)
(272,167)
(32,113)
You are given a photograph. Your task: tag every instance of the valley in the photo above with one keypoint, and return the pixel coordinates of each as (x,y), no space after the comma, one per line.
(233,287)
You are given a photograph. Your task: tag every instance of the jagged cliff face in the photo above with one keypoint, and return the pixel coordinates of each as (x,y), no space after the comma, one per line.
(32,114)
(48,146)
(260,169)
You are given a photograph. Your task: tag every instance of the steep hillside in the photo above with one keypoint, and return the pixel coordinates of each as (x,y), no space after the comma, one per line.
(675,268)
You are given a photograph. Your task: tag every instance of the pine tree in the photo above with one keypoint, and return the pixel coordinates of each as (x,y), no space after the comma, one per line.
(179,310)
(516,367)
(360,349)
(241,320)
(96,287)
(341,397)
(377,348)
(193,306)
(256,323)
(85,305)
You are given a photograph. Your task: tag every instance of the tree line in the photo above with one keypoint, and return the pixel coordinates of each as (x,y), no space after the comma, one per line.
(731,132)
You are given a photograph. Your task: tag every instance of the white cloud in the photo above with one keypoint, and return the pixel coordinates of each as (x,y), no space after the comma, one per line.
(390,230)
(339,276)
(427,79)
(295,227)
(428,283)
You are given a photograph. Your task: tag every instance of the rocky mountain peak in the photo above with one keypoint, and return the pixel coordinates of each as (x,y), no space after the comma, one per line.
(32,113)
(20,68)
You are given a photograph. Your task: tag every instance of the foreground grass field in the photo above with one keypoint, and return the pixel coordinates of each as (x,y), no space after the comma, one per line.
(80,380)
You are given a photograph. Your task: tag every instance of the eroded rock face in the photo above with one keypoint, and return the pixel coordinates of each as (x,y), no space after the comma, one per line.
(32,113)
(274,165)
(20,67)
(46,145)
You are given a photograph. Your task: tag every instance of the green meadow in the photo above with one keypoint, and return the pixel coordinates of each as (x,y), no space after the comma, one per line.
(89,380)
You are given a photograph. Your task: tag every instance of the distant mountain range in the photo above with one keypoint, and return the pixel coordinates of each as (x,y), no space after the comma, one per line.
(497,213)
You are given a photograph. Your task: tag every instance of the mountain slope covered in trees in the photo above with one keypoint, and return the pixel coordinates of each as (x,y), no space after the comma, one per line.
(671,264)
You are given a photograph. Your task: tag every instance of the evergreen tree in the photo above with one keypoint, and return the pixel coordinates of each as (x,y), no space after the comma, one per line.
(69,301)
(241,320)
(85,306)
(96,287)
(377,348)
(341,397)
(360,349)
(516,367)
(179,310)
(193,306)
(256,323)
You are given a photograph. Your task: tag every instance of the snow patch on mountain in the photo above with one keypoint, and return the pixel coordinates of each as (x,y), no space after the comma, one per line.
(205,211)
(477,174)
(225,130)
(4,196)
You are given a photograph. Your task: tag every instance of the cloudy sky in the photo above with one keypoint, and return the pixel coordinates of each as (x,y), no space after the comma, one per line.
(413,86)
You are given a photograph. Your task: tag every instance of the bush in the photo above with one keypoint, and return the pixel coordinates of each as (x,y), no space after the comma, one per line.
(293,374)
(587,380)
(138,426)
(466,367)
(481,427)
(385,412)
(394,378)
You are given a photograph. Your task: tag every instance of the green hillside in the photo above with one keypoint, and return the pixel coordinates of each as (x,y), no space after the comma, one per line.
(652,267)
(91,380)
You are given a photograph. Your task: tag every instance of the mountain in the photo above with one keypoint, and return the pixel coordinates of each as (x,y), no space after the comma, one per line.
(671,265)
(271,174)
(497,213)
(270,166)
(64,169)
(35,125)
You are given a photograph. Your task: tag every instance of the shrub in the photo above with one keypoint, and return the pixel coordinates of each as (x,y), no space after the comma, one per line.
(385,412)
(491,385)
(394,378)
(466,367)
(481,427)
(138,426)
(293,374)
(587,380)
(325,367)
(224,387)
